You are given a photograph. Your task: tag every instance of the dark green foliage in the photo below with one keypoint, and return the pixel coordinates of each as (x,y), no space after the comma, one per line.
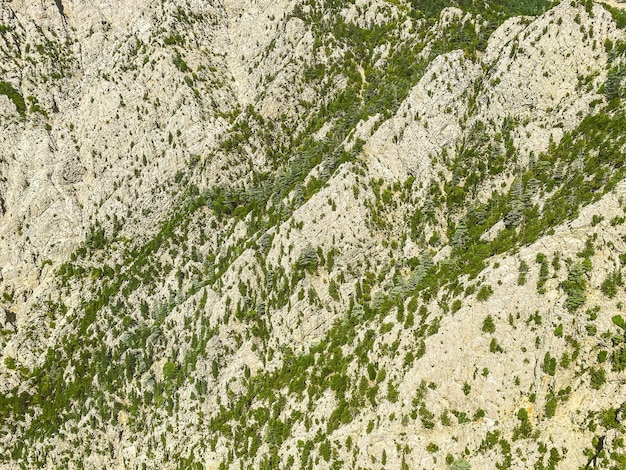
(549,364)
(554,459)
(613,85)
(586,183)
(543,271)
(169,370)
(551,404)
(392,392)
(611,283)
(174,39)
(558,331)
(432,448)
(333,290)
(459,239)
(575,286)
(488,325)
(619,15)
(426,417)
(325,450)
(502,8)
(180,64)
(597,377)
(494,347)
(371,372)
(95,239)
(618,359)
(484,293)
(516,211)
(524,429)
(490,440)
(308,259)
(18,100)
(523,271)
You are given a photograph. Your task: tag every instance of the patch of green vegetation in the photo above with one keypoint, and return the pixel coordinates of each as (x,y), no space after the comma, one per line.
(488,325)
(618,14)
(611,283)
(18,100)
(583,166)
(594,160)
(180,63)
(484,293)
(174,39)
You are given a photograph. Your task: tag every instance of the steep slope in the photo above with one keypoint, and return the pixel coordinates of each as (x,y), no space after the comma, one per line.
(304,235)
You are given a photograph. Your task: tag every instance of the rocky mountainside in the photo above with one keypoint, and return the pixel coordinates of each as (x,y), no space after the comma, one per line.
(298,234)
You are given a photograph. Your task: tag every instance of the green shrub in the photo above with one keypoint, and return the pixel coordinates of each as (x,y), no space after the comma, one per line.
(524,429)
(551,406)
(597,378)
(558,331)
(610,284)
(619,15)
(523,271)
(169,370)
(488,325)
(543,271)
(308,259)
(180,64)
(8,90)
(618,359)
(574,287)
(432,448)
(494,347)
(549,364)
(174,39)
(484,293)
(392,392)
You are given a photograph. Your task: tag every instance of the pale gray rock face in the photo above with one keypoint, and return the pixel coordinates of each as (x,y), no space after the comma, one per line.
(220,222)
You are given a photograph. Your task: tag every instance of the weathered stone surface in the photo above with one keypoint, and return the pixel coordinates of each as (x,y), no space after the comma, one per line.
(133,109)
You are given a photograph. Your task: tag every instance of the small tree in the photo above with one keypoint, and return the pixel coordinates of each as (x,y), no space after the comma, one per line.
(488,325)
(169,370)
(308,259)
(484,293)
